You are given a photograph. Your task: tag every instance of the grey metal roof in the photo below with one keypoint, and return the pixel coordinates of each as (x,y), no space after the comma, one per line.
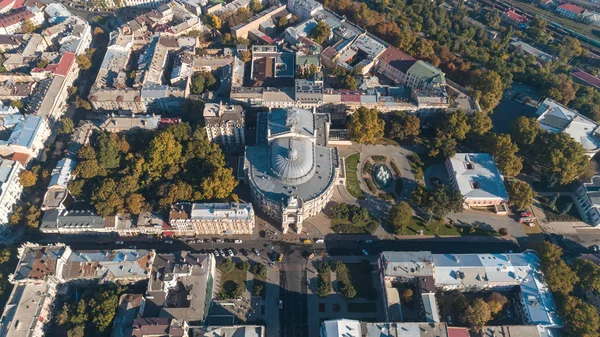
(294,160)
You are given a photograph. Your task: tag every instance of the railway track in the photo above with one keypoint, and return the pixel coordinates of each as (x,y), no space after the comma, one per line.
(590,43)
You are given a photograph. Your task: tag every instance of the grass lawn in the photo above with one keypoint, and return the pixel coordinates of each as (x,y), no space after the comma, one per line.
(552,214)
(352,184)
(386,141)
(361,278)
(436,227)
(237,276)
(362,307)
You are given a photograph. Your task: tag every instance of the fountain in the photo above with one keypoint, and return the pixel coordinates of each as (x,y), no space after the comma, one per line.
(382,176)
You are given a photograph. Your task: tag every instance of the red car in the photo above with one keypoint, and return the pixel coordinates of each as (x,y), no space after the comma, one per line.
(525,214)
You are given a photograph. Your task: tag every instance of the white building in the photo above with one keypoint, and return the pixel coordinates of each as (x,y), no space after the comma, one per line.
(28,137)
(224,124)
(212,218)
(57,196)
(587,200)
(10,188)
(477,178)
(554,117)
(304,9)
(473,273)
(12,22)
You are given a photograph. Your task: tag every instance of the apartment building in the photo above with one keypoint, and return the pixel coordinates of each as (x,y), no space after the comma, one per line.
(224,124)
(212,218)
(10,189)
(27,137)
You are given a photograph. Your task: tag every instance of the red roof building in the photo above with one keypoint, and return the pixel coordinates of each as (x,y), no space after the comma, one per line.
(61,68)
(569,10)
(515,18)
(15,17)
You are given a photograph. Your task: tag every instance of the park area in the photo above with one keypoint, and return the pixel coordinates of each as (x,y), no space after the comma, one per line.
(352,219)
(352,183)
(233,280)
(559,209)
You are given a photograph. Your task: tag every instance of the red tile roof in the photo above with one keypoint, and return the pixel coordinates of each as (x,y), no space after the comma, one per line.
(571,8)
(458,332)
(514,16)
(397,58)
(7,4)
(587,78)
(65,64)
(22,158)
(15,17)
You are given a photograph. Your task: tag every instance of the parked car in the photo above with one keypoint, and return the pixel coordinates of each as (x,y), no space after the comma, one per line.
(132,247)
(222,252)
(525,214)
(217,253)
(119,243)
(169,242)
(237,241)
(319,241)
(365,252)
(230,253)
(255,251)
(199,241)
(595,248)
(369,241)
(280,304)
(219,240)
(530,223)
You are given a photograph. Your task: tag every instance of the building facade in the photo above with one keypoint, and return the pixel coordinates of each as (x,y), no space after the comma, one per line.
(10,188)
(224,124)
(291,171)
(212,218)
(477,178)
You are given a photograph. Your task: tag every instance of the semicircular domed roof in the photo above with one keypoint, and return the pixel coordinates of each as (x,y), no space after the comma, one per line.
(292,159)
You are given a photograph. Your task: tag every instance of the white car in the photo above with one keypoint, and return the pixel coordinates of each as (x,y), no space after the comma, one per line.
(230,253)
(237,241)
(280,304)
(119,243)
(132,247)
(169,242)
(217,253)
(319,241)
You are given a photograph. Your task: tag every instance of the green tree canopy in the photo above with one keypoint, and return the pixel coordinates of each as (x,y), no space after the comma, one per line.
(496,302)
(525,130)
(27,178)
(456,125)
(84,62)
(321,32)
(366,126)
(562,157)
(487,89)
(504,151)
(400,216)
(581,319)
(589,275)
(520,193)
(557,274)
(66,126)
(480,123)
(477,314)
(402,126)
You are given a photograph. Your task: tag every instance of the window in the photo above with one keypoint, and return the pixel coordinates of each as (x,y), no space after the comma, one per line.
(475,185)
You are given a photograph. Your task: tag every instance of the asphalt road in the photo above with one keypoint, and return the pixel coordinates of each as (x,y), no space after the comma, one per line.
(292,293)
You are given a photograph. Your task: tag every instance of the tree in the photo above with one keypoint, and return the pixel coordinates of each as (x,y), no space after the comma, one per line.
(172,193)
(439,201)
(135,203)
(282,22)
(76,331)
(28,27)
(66,126)
(525,130)
(219,184)
(258,289)
(321,32)
(17,104)
(104,307)
(64,315)
(400,216)
(227,266)
(98,31)
(87,169)
(366,126)
(504,151)
(260,270)
(480,123)
(82,103)
(403,126)
(496,302)
(443,145)
(520,194)
(255,6)
(503,231)
(163,152)
(42,63)
(407,295)
(246,56)
(477,314)
(213,21)
(27,178)
(4,255)
(79,315)
(348,82)
(243,265)
(563,157)
(108,148)
(581,319)
(589,275)
(84,62)
(456,125)
(557,274)
(487,89)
